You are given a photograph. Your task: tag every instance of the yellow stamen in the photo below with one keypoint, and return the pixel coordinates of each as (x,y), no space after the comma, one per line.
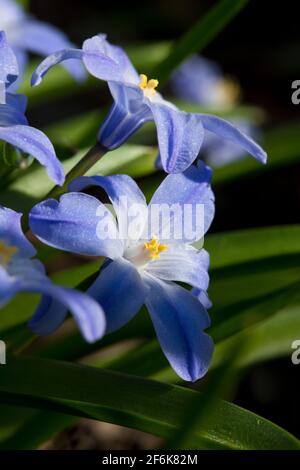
(148,86)
(155,248)
(6,253)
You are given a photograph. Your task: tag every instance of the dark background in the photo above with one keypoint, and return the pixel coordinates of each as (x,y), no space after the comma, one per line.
(261,47)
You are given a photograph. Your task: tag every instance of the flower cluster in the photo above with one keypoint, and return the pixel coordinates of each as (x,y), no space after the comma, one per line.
(150,266)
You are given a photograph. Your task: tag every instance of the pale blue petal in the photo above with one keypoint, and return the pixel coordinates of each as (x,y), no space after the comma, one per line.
(121,292)
(29,276)
(108,62)
(122,120)
(11,233)
(187,189)
(35,143)
(76,223)
(22,60)
(55,303)
(9,70)
(51,61)
(179,320)
(219,153)
(180,136)
(202,296)
(182,264)
(226,130)
(44,39)
(17,101)
(10,115)
(128,200)
(7,287)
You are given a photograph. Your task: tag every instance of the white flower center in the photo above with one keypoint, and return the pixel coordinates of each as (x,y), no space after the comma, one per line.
(142,253)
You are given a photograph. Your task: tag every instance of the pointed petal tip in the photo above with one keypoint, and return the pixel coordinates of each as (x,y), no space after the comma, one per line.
(264,157)
(60,179)
(36,79)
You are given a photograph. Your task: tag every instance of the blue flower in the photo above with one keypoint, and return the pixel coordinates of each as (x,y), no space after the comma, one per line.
(25,34)
(141,267)
(20,273)
(14,128)
(202,81)
(180,134)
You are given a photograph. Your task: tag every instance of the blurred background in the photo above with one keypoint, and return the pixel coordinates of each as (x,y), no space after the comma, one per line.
(260,47)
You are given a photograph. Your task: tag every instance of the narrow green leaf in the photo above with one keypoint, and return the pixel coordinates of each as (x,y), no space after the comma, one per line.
(200,412)
(143,404)
(270,339)
(230,248)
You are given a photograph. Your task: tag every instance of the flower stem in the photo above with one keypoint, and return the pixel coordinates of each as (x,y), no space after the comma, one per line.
(89,160)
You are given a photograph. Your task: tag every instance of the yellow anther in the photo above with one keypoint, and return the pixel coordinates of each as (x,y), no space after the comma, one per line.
(148,86)
(155,248)
(6,253)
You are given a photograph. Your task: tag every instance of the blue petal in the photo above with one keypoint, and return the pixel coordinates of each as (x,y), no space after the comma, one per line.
(202,297)
(124,118)
(9,70)
(7,287)
(35,143)
(18,268)
(10,115)
(182,264)
(74,224)
(44,39)
(219,153)
(121,292)
(189,188)
(11,12)
(179,320)
(55,304)
(54,59)
(108,62)
(11,233)
(17,101)
(130,98)
(228,131)
(180,136)
(29,277)
(22,60)
(124,194)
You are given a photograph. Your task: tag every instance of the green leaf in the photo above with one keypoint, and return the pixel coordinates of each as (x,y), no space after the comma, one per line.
(200,412)
(199,36)
(270,339)
(135,160)
(231,248)
(143,404)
